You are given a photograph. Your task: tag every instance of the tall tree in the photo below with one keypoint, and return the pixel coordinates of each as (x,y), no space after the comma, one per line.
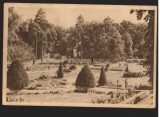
(15,41)
(61,42)
(80,30)
(149,17)
(45,26)
(128,45)
(115,45)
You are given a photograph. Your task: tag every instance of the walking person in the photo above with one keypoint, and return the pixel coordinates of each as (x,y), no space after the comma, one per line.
(126,84)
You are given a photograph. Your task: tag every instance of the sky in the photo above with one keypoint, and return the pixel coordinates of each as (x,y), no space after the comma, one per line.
(66,15)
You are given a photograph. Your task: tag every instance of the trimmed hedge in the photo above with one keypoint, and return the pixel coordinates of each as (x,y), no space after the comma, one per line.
(60,71)
(85,79)
(102,79)
(133,74)
(17,77)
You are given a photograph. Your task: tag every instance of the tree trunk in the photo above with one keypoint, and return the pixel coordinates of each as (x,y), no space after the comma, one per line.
(97,57)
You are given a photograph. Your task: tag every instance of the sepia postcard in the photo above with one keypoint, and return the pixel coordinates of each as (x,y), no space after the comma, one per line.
(79,55)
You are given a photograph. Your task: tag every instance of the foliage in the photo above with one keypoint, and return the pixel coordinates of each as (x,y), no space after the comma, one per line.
(85,79)
(133,74)
(101,40)
(148,16)
(17,77)
(60,71)
(127,69)
(128,45)
(72,67)
(102,79)
(15,42)
(107,67)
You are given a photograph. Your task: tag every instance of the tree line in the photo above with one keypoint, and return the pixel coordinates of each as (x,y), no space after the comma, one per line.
(107,40)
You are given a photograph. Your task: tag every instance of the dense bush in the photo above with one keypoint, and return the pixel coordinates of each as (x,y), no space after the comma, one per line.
(66,70)
(102,79)
(133,74)
(85,79)
(65,62)
(72,67)
(116,68)
(60,71)
(21,51)
(17,77)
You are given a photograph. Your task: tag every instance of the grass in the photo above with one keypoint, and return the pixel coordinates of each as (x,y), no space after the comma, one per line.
(69,79)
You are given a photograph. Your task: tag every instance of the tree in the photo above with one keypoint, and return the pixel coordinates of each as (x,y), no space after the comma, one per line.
(80,30)
(60,71)
(102,79)
(30,33)
(61,42)
(149,38)
(94,45)
(17,77)
(137,33)
(115,45)
(128,45)
(85,79)
(15,41)
(45,27)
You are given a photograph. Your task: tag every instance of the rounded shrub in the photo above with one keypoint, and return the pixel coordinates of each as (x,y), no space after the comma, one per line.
(60,71)
(85,79)
(102,79)
(72,67)
(17,77)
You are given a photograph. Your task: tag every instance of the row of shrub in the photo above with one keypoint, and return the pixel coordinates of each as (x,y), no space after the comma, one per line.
(17,77)
(38,67)
(133,74)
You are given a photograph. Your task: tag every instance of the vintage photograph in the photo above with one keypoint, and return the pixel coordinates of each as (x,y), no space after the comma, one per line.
(79,55)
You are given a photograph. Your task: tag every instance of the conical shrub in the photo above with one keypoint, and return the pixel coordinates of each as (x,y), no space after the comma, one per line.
(60,71)
(102,79)
(85,79)
(107,67)
(127,70)
(17,77)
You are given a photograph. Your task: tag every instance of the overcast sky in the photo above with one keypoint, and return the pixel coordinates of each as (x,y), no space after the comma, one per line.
(66,15)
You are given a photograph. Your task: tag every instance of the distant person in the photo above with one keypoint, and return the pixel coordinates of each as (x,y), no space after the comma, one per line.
(126,84)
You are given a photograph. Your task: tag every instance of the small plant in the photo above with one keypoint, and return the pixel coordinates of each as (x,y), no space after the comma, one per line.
(66,70)
(133,74)
(127,70)
(99,101)
(72,67)
(102,79)
(65,63)
(60,71)
(43,77)
(85,79)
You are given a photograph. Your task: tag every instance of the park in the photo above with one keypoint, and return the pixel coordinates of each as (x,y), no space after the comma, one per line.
(94,62)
